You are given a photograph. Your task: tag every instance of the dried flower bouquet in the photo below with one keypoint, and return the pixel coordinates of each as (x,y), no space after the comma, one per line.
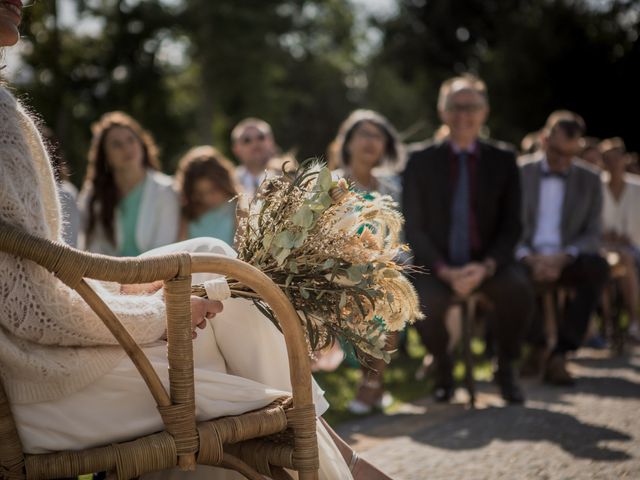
(331,249)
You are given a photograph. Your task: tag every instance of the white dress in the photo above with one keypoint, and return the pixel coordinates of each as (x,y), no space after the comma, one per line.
(240,365)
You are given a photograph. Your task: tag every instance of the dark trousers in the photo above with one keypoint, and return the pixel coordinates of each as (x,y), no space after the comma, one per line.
(586,276)
(512,299)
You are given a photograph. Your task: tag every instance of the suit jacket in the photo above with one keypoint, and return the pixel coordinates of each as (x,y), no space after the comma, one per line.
(581,209)
(427,198)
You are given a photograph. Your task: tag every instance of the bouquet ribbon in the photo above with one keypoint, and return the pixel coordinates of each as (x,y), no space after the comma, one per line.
(217,289)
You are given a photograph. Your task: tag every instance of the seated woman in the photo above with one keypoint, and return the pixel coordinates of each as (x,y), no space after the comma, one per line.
(127,205)
(621,223)
(204,180)
(367,151)
(69,383)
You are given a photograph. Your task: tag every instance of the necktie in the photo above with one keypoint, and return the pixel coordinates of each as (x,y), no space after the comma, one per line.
(459,241)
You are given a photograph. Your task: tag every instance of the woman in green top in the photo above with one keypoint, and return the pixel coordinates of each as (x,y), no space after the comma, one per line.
(127,206)
(205,181)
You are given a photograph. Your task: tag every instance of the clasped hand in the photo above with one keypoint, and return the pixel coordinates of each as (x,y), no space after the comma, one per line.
(464,280)
(546,268)
(202,309)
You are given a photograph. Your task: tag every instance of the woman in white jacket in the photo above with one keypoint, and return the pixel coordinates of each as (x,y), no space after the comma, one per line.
(128,207)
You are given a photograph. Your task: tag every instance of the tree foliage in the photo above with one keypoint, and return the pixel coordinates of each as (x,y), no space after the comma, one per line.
(190,69)
(535,55)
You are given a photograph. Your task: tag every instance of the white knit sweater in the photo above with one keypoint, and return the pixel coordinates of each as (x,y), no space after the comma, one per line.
(51,342)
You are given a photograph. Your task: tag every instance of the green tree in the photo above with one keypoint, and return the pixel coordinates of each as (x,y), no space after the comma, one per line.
(536,56)
(72,77)
(284,61)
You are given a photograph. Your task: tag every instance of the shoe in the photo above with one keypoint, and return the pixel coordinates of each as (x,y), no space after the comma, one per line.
(359,408)
(371,395)
(444,386)
(443,394)
(534,362)
(506,378)
(556,372)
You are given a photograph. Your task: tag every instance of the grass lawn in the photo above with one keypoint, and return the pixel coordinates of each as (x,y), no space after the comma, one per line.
(340,385)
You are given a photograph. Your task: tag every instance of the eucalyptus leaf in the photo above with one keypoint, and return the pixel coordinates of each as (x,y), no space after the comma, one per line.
(281,256)
(266,240)
(303,217)
(354,273)
(324,179)
(325,200)
(284,239)
(328,264)
(299,239)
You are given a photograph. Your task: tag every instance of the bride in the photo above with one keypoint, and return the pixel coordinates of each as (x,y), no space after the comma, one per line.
(70,385)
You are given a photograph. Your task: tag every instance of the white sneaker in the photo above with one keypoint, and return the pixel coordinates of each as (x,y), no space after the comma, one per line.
(359,408)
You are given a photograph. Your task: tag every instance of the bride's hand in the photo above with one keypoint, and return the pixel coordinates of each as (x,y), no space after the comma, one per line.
(203,309)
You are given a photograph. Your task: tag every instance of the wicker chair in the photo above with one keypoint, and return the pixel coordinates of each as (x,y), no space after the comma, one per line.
(262,442)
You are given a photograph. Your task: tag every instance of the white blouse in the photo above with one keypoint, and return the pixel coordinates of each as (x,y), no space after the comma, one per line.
(623,216)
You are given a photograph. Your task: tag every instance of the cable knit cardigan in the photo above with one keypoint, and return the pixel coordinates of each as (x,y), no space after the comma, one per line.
(51,342)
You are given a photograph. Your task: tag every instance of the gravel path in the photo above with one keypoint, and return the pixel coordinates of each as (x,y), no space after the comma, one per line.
(589,431)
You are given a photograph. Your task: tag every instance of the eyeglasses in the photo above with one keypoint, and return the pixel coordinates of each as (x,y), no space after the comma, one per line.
(465,107)
(248,139)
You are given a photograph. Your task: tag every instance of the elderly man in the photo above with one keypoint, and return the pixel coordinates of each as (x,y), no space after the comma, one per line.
(461,201)
(562,206)
(253,145)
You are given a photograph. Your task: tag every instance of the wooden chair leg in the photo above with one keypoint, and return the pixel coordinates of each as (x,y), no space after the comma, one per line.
(608,328)
(550,321)
(468,317)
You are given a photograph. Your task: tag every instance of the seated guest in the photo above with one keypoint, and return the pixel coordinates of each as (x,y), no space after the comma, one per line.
(634,163)
(127,205)
(367,143)
(461,201)
(366,151)
(530,143)
(621,222)
(591,152)
(204,179)
(562,206)
(253,145)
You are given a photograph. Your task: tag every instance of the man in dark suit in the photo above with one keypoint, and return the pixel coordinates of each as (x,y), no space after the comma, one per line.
(562,204)
(461,201)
